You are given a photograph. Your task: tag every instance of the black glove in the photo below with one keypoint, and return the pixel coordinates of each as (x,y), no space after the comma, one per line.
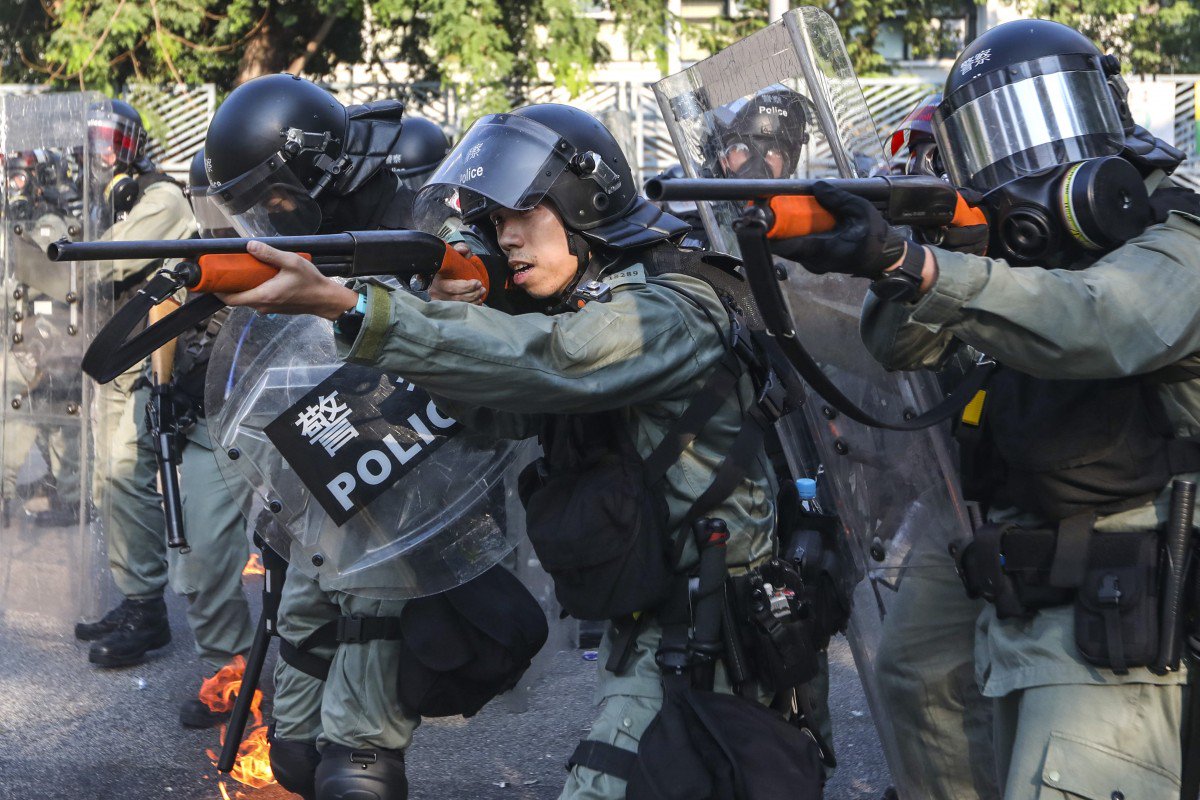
(971,239)
(862,243)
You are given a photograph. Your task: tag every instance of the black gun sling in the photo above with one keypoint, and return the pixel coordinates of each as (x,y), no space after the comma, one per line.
(113,350)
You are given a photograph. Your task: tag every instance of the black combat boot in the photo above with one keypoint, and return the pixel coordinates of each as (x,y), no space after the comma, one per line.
(143,628)
(90,631)
(194,713)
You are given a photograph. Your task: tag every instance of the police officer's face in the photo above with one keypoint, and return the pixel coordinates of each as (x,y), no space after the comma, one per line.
(535,242)
(736,156)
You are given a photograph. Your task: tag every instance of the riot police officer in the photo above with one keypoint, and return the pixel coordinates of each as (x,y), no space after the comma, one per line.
(766,136)
(623,347)
(284,156)
(209,574)
(1087,305)
(147,204)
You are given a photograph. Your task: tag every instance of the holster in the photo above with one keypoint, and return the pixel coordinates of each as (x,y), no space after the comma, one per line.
(1010,567)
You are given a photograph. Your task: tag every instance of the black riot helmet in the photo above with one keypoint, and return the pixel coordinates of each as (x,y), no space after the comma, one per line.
(117,146)
(552,153)
(770,128)
(209,217)
(1031,118)
(1024,97)
(422,146)
(273,148)
(117,136)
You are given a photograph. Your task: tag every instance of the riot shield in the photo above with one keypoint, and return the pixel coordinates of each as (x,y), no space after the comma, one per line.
(896,493)
(377,491)
(789,89)
(52,557)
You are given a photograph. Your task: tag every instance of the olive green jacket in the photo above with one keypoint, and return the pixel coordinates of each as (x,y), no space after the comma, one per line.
(647,352)
(1134,311)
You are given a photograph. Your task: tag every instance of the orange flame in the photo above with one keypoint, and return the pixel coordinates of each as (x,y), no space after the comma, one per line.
(219,691)
(254,566)
(253,765)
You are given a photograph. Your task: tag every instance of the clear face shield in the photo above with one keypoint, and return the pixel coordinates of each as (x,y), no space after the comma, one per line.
(415,181)
(269,200)
(503,161)
(210,218)
(1042,119)
(782,103)
(115,141)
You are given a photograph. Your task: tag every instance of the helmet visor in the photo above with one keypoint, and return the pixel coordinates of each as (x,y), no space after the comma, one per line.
(269,200)
(1028,126)
(116,137)
(504,160)
(210,218)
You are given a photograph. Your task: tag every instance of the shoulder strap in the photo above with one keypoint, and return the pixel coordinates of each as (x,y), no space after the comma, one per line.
(691,422)
(1186,369)
(148,179)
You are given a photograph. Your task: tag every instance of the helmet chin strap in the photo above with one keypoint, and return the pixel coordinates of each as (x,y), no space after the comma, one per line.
(587,269)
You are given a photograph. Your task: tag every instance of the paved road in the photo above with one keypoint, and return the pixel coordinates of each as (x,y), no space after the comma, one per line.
(68,730)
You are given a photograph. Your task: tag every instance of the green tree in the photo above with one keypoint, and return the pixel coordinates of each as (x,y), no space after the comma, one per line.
(492,49)
(105,43)
(1151,37)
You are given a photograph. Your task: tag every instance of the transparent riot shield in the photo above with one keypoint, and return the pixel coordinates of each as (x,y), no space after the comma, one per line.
(785,96)
(52,557)
(377,491)
(897,496)
(896,493)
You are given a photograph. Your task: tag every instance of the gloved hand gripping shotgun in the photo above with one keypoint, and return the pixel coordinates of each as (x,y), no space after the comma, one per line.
(786,209)
(223,265)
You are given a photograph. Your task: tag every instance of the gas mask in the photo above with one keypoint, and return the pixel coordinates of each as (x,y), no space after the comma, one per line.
(1067,213)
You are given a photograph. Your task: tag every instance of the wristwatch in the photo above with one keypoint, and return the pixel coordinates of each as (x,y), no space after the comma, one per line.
(904,282)
(347,326)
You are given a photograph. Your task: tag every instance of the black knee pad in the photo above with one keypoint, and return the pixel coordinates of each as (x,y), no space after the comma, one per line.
(294,765)
(347,773)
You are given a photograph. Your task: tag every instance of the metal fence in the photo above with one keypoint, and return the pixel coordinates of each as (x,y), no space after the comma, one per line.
(178,117)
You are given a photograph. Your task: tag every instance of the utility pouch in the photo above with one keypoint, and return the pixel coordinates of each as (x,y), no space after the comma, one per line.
(781,632)
(812,546)
(1117,606)
(1023,570)
(461,648)
(595,509)
(600,532)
